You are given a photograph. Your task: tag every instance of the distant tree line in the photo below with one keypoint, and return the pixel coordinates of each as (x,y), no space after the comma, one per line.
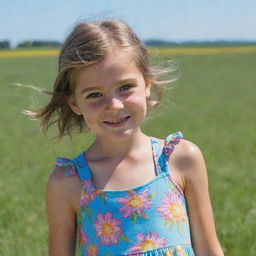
(5,44)
(163,43)
(39,43)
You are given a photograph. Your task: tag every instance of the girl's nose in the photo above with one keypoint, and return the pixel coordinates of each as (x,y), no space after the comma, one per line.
(114,103)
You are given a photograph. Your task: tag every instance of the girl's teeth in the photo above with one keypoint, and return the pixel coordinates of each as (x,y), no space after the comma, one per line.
(118,121)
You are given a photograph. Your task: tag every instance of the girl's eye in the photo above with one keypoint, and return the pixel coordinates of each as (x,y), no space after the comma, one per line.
(93,95)
(126,87)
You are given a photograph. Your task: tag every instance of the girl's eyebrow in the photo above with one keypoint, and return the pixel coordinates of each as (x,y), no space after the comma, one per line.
(128,80)
(88,89)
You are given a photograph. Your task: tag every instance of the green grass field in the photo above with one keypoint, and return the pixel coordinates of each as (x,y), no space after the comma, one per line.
(213,105)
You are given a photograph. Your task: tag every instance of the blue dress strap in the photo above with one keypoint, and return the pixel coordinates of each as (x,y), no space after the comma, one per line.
(157,147)
(170,142)
(68,164)
(76,166)
(83,170)
(162,150)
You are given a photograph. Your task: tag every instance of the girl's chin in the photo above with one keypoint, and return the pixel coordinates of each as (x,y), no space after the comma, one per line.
(120,135)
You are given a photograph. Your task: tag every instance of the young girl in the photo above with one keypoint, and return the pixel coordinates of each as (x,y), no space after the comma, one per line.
(128,193)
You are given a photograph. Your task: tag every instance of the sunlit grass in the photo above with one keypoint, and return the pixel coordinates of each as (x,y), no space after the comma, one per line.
(214,106)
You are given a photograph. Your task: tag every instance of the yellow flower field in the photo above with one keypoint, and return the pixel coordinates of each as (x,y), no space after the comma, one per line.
(28,53)
(152,50)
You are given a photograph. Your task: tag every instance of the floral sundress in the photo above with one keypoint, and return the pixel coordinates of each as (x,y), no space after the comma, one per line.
(148,220)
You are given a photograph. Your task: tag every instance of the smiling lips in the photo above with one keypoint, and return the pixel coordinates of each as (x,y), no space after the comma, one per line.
(117,122)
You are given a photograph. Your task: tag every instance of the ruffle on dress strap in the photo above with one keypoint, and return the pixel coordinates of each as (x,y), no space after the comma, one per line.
(69,164)
(170,142)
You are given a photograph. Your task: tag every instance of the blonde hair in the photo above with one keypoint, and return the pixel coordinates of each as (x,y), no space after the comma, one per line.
(88,44)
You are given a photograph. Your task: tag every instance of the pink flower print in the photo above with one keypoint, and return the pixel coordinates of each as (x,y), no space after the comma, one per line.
(87,184)
(92,250)
(86,197)
(88,194)
(147,243)
(83,239)
(172,210)
(135,204)
(107,228)
(168,149)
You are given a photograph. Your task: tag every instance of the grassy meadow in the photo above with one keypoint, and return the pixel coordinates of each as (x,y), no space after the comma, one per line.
(213,103)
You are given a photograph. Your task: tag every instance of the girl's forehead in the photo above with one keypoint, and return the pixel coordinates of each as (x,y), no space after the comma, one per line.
(115,65)
(119,58)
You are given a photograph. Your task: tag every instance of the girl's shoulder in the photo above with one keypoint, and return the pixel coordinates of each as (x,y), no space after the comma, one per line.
(187,161)
(181,150)
(187,151)
(64,187)
(59,180)
(63,167)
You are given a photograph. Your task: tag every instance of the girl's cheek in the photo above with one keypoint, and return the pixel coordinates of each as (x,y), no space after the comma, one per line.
(94,105)
(135,99)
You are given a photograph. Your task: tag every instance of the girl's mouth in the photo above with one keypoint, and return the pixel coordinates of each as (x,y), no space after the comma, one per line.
(118,122)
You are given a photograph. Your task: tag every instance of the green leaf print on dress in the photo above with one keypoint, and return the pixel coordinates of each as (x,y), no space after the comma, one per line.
(88,195)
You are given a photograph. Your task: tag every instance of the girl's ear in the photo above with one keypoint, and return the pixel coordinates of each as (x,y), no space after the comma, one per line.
(73,105)
(147,91)
(148,86)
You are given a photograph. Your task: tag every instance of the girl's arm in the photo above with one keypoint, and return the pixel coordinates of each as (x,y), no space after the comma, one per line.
(192,169)
(61,215)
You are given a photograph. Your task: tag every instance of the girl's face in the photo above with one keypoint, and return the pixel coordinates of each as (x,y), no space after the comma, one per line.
(111,95)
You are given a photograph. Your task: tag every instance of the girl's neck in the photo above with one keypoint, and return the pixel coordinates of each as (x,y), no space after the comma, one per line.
(104,148)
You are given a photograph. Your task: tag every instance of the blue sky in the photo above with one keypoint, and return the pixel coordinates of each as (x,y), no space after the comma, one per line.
(178,20)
